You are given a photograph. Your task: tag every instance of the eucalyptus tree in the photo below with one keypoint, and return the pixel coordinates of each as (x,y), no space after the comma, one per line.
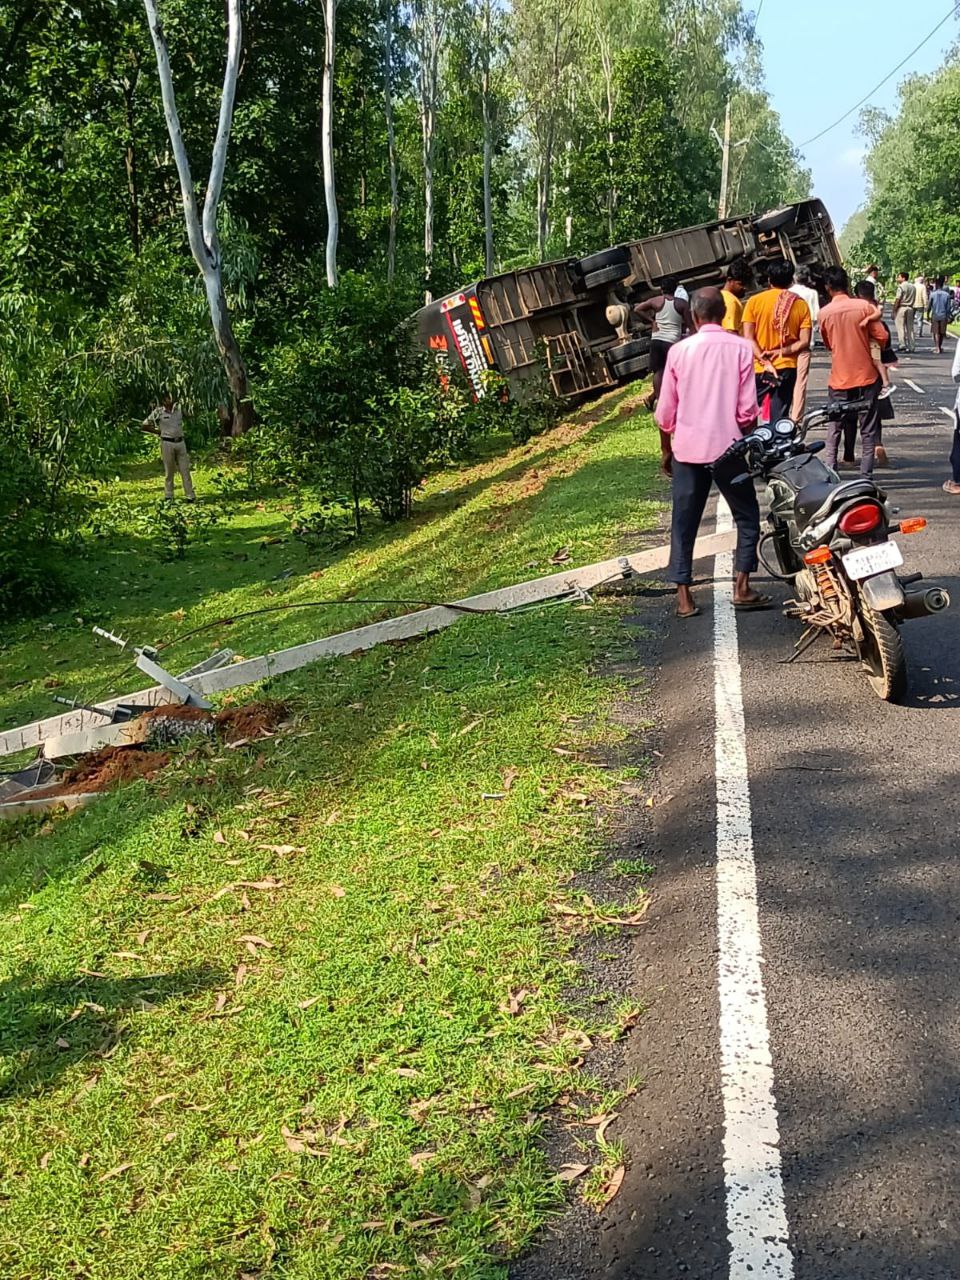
(326,135)
(202,230)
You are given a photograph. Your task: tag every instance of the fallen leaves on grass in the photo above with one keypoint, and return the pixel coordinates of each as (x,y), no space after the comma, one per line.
(516,1001)
(308,1004)
(115,1172)
(421,1158)
(571,1172)
(560,556)
(587,912)
(303,1142)
(510,776)
(252,942)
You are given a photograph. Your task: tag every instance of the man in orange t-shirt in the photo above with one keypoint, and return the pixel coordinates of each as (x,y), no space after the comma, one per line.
(780,327)
(853,374)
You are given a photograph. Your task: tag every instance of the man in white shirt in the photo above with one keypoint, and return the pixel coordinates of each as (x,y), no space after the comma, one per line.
(166,421)
(923,300)
(879,293)
(803,287)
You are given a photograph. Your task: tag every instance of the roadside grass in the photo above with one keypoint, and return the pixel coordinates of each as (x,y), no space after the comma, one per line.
(475,528)
(297,1009)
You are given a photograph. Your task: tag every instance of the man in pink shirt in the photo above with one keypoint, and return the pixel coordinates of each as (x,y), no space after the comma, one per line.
(708,399)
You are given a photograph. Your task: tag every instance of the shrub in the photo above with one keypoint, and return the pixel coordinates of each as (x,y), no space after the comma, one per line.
(169,527)
(351,407)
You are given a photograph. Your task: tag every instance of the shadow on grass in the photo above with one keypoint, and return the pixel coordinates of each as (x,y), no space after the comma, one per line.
(46,1027)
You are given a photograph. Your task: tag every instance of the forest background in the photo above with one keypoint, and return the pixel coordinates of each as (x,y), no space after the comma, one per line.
(379,152)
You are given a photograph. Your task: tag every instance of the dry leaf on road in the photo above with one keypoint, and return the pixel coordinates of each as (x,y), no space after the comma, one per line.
(571,1172)
(613,1186)
(602,1128)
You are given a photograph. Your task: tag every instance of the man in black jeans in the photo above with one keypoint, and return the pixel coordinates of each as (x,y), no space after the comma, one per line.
(847,329)
(707,402)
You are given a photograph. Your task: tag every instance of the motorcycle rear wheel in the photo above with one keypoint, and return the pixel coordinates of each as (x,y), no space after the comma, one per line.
(881,653)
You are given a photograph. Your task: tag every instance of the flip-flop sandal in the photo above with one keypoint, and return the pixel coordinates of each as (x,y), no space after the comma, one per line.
(749,606)
(694,613)
(951,487)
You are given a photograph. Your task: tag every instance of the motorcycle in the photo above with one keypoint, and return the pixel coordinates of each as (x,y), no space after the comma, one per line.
(831,539)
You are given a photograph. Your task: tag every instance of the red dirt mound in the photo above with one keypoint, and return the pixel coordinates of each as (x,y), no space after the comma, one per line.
(177,711)
(105,769)
(251,721)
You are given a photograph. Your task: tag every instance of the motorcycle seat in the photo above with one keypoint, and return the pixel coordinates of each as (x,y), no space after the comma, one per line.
(814,501)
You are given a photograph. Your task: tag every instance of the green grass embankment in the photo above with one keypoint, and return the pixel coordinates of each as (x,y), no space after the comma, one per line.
(296,1009)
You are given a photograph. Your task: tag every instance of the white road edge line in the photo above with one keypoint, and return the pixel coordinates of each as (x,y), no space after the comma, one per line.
(756,1210)
(948,412)
(910,383)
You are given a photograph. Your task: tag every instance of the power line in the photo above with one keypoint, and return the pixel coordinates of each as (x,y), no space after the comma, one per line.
(856,105)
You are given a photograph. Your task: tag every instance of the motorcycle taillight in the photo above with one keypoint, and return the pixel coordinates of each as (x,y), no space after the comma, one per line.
(860,519)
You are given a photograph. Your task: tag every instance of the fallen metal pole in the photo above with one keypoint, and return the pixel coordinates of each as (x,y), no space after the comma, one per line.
(421,622)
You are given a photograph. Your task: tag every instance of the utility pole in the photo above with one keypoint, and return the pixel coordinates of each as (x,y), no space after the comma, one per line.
(725,165)
(726,147)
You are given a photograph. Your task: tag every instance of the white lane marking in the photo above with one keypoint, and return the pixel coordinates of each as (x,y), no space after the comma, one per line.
(914,385)
(948,412)
(756,1211)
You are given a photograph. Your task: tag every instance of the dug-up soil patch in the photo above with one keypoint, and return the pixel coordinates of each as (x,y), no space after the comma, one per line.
(253,720)
(104,769)
(110,766)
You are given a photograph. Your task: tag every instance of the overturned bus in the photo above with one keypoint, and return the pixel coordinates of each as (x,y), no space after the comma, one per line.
(574,318)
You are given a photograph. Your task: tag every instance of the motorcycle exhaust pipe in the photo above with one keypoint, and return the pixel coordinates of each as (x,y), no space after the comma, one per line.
(918,604)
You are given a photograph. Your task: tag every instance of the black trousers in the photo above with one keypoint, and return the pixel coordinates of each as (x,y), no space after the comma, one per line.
(869,425)
(781,397)
(691,488)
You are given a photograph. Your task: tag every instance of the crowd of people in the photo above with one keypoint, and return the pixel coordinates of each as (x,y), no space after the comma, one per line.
(722,360)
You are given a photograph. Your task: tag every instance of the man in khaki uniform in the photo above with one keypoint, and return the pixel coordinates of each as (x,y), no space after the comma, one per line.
(166,421)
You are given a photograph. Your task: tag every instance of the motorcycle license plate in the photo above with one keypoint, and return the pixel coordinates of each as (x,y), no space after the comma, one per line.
(866,561)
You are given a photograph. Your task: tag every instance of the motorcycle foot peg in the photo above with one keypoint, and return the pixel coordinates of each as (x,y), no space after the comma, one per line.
(910,579)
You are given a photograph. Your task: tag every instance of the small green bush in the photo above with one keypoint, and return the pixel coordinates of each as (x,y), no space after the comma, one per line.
(169,527)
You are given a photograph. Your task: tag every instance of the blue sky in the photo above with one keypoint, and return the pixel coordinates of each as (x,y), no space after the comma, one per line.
(863,40)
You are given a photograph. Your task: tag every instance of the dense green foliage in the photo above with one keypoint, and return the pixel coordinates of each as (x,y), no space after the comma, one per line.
(912,218)
(597,121)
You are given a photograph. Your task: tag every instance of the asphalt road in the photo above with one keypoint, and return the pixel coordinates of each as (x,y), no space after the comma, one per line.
(855,809)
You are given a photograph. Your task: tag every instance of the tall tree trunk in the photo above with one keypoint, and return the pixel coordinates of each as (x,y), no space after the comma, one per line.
(429,24)
(391,137)
(329,177)
(128,87)
(202,234)
(544,192)
(487,141)
(428,127)
(606,63)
